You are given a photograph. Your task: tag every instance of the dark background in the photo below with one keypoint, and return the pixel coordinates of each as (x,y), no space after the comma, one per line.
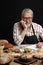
(11,13)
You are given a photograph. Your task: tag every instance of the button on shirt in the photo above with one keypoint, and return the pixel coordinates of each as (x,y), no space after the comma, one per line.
(17,31)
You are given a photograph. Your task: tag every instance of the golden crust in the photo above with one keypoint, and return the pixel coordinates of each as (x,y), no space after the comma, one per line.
(16,50)
(26,57)
(6,44)
(38,53)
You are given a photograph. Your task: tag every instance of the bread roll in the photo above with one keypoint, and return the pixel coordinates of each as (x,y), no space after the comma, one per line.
(26,57)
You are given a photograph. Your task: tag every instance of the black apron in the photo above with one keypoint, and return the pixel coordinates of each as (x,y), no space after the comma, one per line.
(30,39)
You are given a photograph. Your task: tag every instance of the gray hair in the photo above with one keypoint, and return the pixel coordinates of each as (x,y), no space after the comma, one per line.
(26,10)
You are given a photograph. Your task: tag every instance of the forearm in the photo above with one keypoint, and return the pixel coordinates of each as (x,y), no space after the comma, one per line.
(19,38)
(23,33)
(18,35)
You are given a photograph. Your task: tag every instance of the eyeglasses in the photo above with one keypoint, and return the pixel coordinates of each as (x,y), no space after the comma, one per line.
(27,17)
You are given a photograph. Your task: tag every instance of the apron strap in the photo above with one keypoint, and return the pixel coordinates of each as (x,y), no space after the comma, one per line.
(33,29)
(40,39)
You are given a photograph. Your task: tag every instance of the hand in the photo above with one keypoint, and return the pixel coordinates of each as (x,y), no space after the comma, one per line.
(39,45)
(23,24)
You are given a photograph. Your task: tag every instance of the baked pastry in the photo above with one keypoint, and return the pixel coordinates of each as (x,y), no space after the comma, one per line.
(6,44)
(38,53)
(26,57)
(16,50)
(5,58)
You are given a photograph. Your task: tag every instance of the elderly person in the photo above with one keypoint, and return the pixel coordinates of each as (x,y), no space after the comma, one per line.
(26,31)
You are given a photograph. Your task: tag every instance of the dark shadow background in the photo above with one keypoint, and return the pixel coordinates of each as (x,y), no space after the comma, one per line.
(11,13)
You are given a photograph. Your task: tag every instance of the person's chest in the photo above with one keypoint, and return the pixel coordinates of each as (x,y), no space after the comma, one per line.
(30,32)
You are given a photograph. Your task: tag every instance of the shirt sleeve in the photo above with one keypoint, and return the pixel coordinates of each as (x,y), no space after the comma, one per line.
(41,31)
(16,36)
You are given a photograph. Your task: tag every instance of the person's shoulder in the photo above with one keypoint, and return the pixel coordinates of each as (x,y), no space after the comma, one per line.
(17,23)
(36,24)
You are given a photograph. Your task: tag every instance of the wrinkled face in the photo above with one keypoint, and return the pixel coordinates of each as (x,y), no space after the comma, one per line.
(27,18)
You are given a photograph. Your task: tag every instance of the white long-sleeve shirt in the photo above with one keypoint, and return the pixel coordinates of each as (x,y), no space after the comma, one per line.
(17,31)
